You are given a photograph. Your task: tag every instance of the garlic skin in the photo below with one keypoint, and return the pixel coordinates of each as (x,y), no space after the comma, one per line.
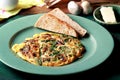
(74,8)
(87,8)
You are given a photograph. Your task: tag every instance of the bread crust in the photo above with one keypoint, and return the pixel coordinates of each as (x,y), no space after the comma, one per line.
(54,24)
(62,16)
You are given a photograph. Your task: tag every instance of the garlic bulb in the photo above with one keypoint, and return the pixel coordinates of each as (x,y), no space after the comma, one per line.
(87,8)
(73,8)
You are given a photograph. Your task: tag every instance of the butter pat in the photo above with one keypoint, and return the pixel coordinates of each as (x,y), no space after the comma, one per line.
(108,14)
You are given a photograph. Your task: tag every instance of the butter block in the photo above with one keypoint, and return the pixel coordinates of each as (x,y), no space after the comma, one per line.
(108,14)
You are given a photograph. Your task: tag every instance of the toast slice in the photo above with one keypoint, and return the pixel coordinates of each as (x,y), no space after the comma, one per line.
(51,23)
(62,16)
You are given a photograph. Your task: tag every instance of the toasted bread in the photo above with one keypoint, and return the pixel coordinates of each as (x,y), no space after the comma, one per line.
(62,16)
(54,24)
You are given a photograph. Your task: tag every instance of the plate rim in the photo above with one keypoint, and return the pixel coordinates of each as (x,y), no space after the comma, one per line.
(76,18)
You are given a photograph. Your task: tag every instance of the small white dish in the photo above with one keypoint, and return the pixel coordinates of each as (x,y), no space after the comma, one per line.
(8,4)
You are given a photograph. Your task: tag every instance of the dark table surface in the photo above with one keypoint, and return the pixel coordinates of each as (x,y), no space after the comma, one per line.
(108,70)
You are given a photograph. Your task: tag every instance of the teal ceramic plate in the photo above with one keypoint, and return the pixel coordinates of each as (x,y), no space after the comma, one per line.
(99,45)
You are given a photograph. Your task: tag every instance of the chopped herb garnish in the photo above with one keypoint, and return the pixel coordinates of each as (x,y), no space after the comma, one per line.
(53,45)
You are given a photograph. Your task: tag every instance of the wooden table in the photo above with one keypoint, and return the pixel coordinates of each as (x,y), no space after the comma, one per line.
(63,5)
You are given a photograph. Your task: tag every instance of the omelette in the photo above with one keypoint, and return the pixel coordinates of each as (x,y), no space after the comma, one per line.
(49,49)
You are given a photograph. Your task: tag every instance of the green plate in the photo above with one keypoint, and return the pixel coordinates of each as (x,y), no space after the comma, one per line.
(99,45)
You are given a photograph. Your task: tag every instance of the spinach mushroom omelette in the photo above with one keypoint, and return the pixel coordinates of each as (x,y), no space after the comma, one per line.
(49,49)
